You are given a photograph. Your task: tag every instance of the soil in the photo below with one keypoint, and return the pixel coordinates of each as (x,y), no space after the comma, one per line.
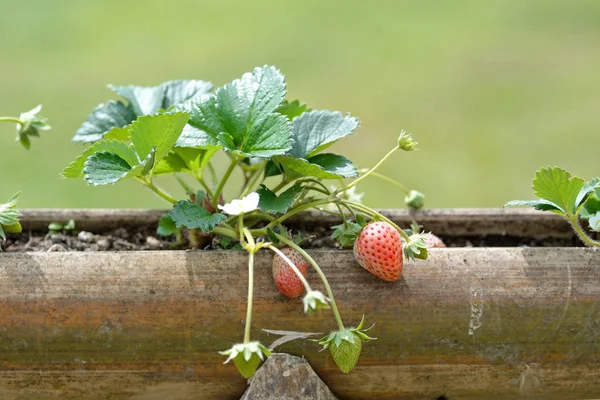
(145,238)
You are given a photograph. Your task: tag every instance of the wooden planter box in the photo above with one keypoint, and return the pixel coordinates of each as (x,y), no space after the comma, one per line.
(468,323)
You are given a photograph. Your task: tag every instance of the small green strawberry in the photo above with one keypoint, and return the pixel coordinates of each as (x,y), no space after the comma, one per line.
(345,345)
(246,357)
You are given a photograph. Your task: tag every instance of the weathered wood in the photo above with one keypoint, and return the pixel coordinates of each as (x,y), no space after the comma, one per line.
(450,222)
(472,323)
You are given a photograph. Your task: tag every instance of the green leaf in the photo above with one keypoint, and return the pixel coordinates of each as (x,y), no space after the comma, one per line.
(292,109)
(323,166)
(157,131)
(55,226)
(70,225)
(270,202)
(557,186)
(316,130)
(147,100)
(119,134)
(191,215)
(166,226)
(75,169)
(104,168)
(346,234)
(587,191)
(112,114)
(592,206)
(542,205)
(243,112)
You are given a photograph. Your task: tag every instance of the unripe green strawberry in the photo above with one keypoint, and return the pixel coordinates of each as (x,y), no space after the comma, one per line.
(347,353)
(345,345)
(378,249)
(285,278)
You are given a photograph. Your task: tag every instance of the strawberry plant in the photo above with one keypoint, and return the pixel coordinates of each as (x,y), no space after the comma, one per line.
(28,124)
(176,128)
(571,197)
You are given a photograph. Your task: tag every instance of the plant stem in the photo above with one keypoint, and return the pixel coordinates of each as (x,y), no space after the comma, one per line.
(312,262)
(225,232)
(11,119)
(390,180)
(215,199)
(369,172)
(203,184)
(297,210)
(158,191)
(250,294)
(253,180)
(372,212)
(184,185)
(574,220)
(282,184)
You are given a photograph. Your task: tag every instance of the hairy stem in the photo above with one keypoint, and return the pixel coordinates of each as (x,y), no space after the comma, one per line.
(215,199)
(574,220)
(11,119)
(390,180)
(250,294)
(369,172)
(158,191)
(312,262)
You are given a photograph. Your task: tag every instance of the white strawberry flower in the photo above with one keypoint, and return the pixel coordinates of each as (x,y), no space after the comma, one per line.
(595,222)
(240,206)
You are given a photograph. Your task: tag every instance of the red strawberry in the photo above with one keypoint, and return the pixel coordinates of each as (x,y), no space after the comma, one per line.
(378,249)
(286,279)
(433,241)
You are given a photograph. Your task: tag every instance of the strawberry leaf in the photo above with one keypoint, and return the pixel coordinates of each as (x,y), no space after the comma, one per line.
(112,114)
(587,190)
(157,131)
(592,206)
(323,166)
(104,168)
(241,115)
(292,109)
(314,131)
(191,215)
(557,186)
(542,205)
(270,202)
(166,226)
(75,169)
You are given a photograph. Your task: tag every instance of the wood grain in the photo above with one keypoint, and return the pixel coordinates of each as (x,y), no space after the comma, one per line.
(500,323)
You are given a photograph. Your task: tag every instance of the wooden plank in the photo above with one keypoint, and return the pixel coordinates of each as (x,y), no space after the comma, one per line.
(450,222)
(497,322)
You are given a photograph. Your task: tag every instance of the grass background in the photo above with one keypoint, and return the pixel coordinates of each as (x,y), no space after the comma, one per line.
(492,90)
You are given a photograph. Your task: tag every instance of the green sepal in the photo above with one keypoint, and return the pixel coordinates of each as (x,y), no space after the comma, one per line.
(246,357)
(346,234)
(416,247)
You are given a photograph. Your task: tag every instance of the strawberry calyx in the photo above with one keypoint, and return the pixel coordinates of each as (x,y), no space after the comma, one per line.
(246,357)
(416,247)
(315,301)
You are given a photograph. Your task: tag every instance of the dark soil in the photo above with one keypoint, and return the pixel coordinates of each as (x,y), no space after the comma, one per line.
(146,239)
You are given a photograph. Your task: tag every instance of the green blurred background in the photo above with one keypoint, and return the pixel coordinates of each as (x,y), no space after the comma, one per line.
(492,90)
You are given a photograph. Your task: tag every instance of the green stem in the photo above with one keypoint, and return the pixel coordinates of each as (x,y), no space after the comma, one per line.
(297,210)
(158,191)
(213,173)
(282,184)
(574,220)
(256,175)
(390,180)
(11,119)
(312,262)
(369,172)
(225,232)
(184,185)
(203,184)
(215,199)
(370,211)
(250,294)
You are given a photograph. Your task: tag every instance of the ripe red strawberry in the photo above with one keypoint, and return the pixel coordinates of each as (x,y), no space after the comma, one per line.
(433,241)
(285,278)
(378,249)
